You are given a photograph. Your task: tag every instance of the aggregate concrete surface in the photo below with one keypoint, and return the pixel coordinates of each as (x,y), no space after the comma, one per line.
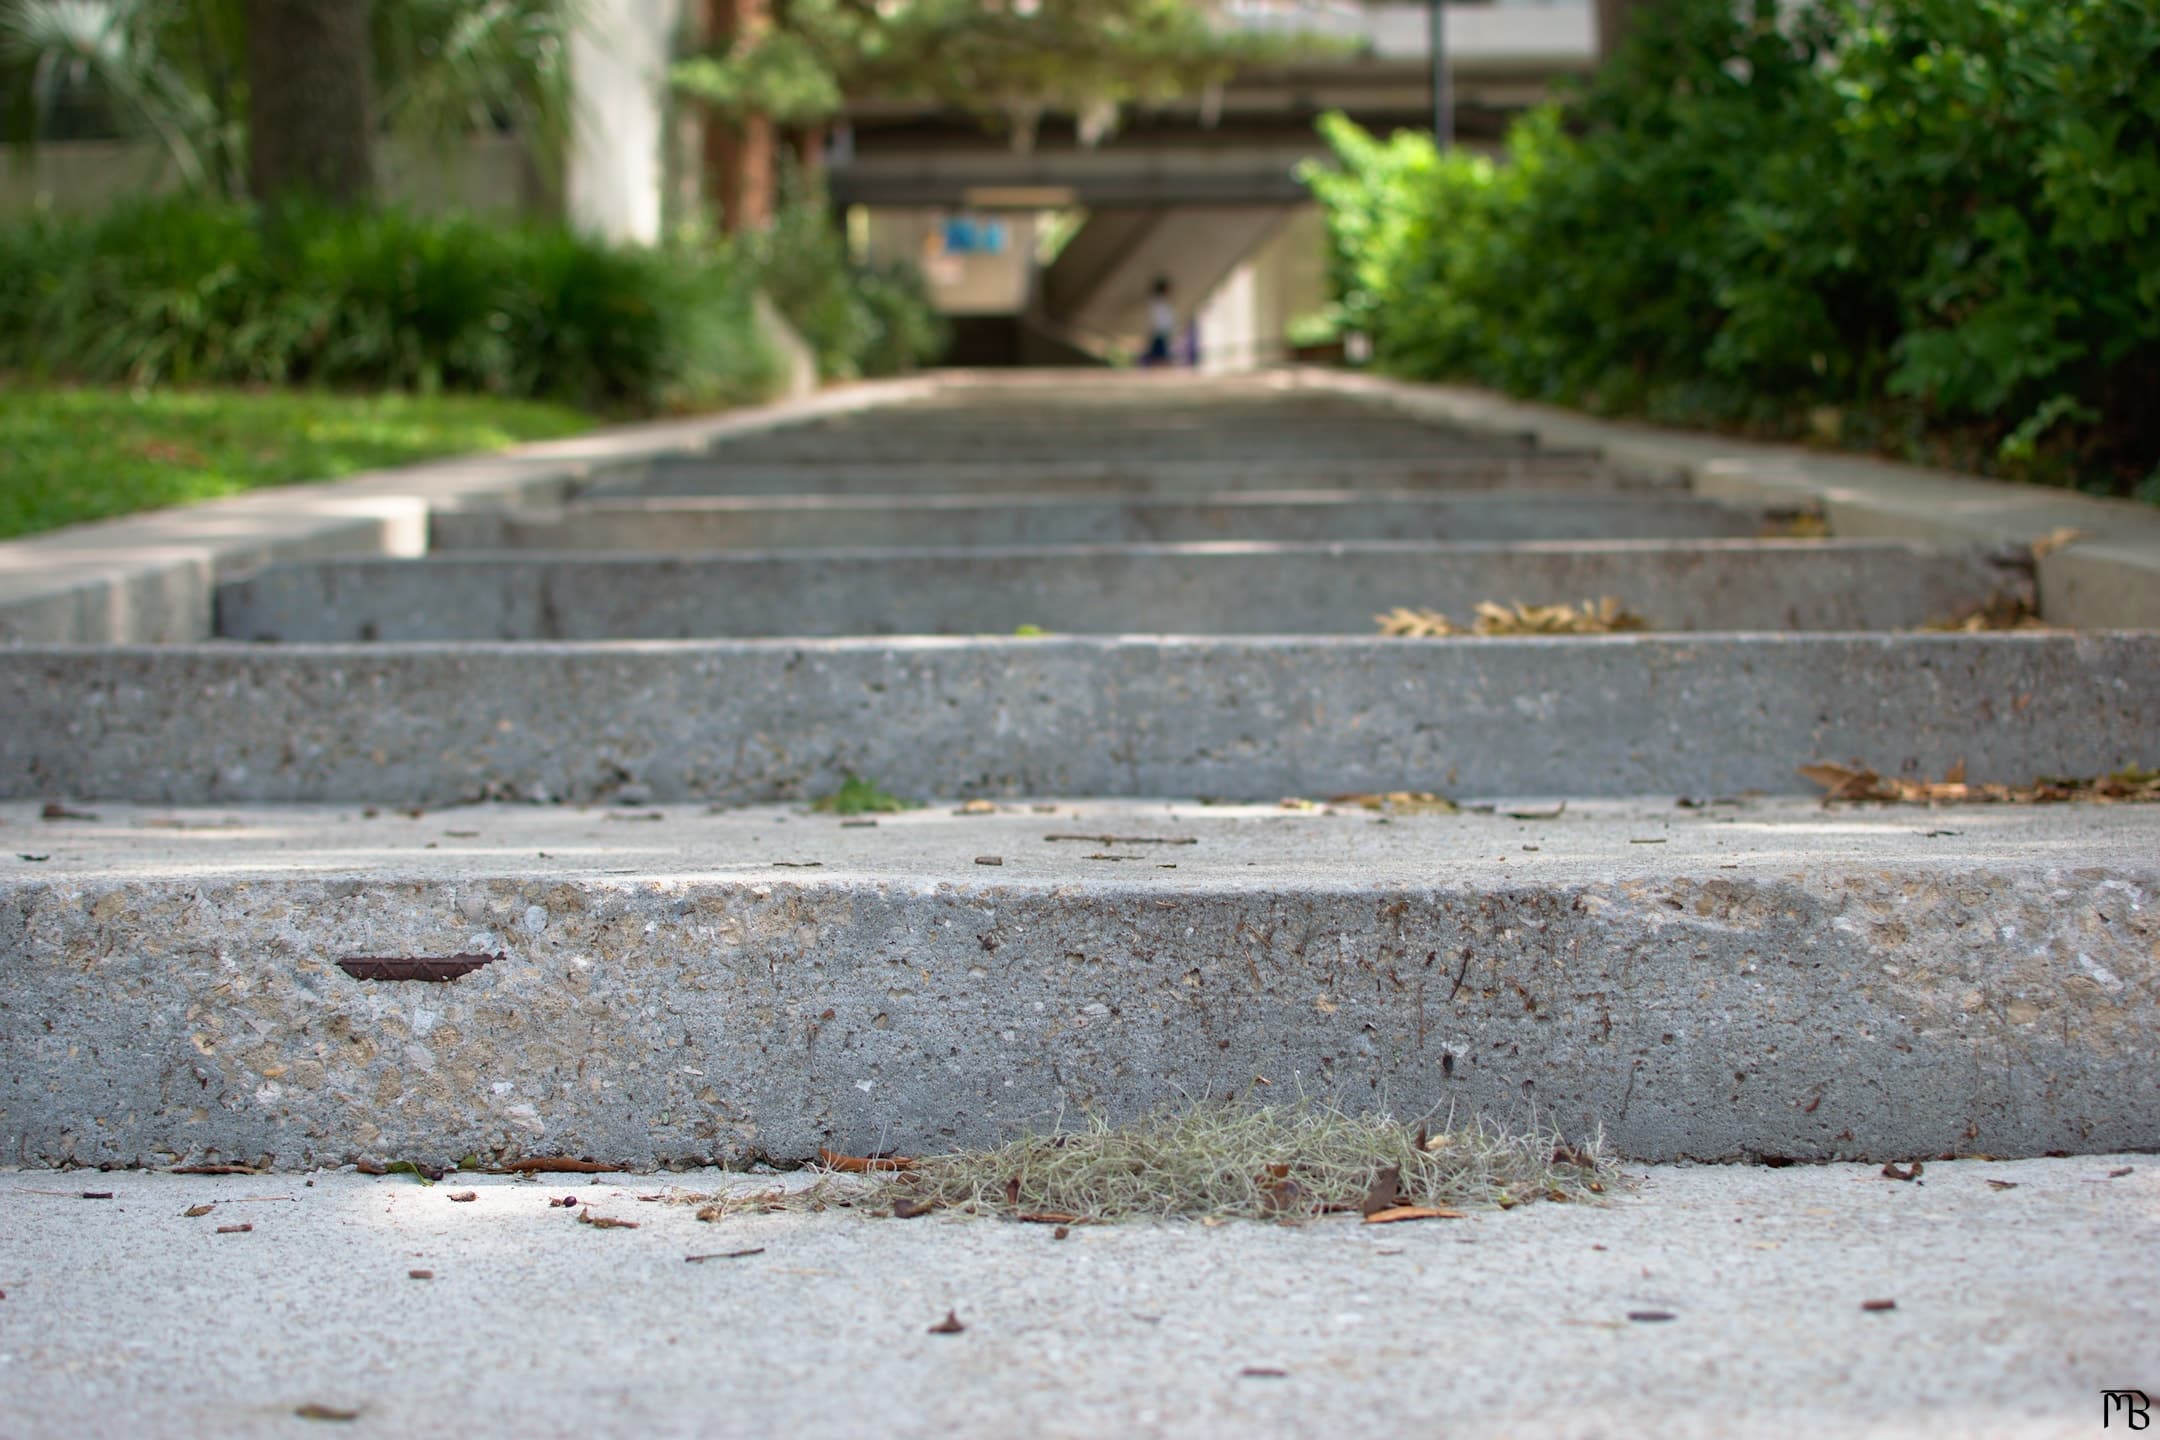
(2022,1290)
(1744,978)
(829,521)
(1209,588)
(1248,718)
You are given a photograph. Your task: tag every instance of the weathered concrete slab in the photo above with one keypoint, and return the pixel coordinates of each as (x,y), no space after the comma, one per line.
(1236,718)
(1760,978)
(1224,588)
(909,475)
(816,521)
(2014,1314)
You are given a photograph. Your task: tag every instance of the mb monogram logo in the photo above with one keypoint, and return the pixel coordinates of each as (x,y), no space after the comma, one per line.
(2132,1405)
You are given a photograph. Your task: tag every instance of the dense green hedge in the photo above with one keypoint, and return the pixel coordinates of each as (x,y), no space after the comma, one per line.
(193,292)
(1927,226)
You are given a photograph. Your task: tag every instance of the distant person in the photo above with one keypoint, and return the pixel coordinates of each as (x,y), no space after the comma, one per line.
(1161,323)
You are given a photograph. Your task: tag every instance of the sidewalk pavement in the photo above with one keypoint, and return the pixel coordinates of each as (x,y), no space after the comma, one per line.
(1700,1302)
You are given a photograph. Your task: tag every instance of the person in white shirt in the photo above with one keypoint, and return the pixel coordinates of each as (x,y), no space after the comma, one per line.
(1162,323)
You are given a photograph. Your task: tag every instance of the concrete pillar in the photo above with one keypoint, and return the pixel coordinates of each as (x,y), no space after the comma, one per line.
(617,171)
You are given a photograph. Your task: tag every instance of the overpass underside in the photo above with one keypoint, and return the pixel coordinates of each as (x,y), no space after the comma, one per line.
(1191,193)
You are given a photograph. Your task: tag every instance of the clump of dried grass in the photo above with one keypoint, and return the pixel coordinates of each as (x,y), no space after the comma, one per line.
(1224,1161)
(1605,616)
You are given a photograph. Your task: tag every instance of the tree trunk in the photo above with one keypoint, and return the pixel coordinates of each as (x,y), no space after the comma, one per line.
(1613,19)
(740,155)
(311,111)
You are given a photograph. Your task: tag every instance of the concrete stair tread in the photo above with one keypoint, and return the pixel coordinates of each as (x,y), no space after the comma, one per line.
(1198,587)
(1250,718)
(1338,845)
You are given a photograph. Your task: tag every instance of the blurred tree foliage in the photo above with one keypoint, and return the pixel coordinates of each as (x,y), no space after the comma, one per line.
(177,70)
(1925,226)
(997,59)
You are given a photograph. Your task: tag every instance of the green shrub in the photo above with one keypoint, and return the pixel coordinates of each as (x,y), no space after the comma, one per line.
(1937,221)
(860,320)
(192,292)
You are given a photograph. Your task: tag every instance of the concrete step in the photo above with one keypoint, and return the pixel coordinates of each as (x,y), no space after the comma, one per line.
(905,474)
(780,522)
(1022,436)
(1223,588)
(1745,979)
(1230,717)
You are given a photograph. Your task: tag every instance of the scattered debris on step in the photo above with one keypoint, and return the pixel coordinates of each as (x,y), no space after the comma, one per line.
(1606,616)
(2000,611)
(1858,783)
(1401,802)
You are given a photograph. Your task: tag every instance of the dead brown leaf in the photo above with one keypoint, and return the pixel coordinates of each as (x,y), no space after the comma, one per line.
(465,1197)
(560,1165)
(950,1325)
(1903,1172)
(2056,540)
(419,1274)
(196,1212)
(1385,1193)
(864,1164)
(1604,616)
(1795,525)
(2124,1170)
(1413,1212)
(977,807)
(240,1229)
(2130,785)
(54,810)
(1877,1306)
(1401,802)
(905,1208)
(325,1412)
(604,1222)
(2002,1184)
(2000,611)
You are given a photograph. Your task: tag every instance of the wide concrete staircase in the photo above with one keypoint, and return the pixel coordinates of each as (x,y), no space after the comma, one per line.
(509,849)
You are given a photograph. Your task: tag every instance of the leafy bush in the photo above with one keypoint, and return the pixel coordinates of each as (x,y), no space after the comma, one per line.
(1931,225)
(861,320)
(195,292)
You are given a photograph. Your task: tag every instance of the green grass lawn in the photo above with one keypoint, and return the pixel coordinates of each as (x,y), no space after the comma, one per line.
(70,454)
